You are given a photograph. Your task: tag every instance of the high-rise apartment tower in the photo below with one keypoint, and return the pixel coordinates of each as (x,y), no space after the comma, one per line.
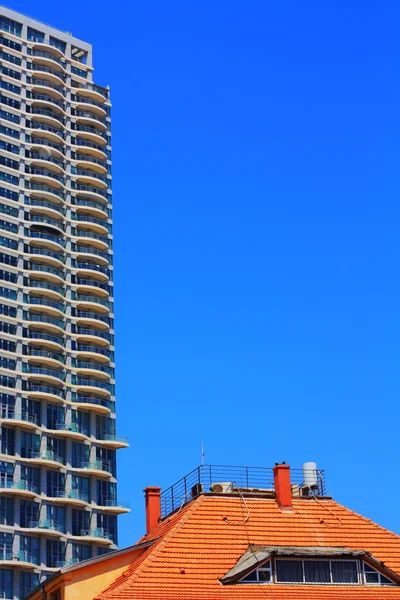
(58,501)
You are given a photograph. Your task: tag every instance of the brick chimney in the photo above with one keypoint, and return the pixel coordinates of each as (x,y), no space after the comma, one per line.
(152,496)
(283,488)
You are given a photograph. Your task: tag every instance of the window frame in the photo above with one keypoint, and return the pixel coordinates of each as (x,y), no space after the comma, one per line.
(270,566)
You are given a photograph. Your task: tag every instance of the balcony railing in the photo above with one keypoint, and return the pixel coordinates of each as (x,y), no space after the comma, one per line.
(95,350)
(46,286)
(22,416)
(98,532)
(93,400)
(45,389)
(40,335)
(41,371)
(73,427)
(240,479)
(19,485)
(94,333)
(45,236)
(28,351)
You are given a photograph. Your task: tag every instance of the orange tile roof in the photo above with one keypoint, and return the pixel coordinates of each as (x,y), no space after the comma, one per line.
(203,541)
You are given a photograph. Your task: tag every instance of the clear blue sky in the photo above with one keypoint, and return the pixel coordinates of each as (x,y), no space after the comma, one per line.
(256,191)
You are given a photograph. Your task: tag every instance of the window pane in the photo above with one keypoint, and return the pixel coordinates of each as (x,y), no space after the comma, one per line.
(289,570)
(250,577)
(386,581)
(317,571)
(371,577)
(264,575)
(344,571)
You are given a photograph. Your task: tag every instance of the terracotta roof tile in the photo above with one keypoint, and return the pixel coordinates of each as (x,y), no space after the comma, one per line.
(200,543)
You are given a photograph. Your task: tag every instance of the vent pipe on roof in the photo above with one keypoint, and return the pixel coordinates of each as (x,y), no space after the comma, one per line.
(283,488)
(152,495)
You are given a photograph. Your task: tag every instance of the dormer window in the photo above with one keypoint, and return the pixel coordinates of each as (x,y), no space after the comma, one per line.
(297,565)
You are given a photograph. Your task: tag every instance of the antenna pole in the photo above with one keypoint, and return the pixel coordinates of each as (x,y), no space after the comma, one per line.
(203,455)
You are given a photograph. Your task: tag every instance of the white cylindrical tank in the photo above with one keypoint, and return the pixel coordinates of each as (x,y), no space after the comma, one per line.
(310,475)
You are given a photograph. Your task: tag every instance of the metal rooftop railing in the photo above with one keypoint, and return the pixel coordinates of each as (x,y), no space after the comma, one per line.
(242,479)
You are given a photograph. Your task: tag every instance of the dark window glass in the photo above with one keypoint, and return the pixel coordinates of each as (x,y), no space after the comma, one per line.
(10,26)
(35,36)
(8,131)
(317,571)
(28,513)
(344,571)
(6,583)
(6,511)
(27,582)
(7,440)
(289,571)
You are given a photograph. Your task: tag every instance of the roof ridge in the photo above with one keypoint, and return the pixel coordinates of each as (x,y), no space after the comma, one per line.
(389,531)
(156,549)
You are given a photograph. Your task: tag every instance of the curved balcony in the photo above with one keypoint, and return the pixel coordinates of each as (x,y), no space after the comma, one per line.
(88,221)
(46,526)
(46,307)
(113,506)
(50,290)
(52,193)
(93,386)
(95,369)
(83,254)
(41,130)
(90,134)
(45,100)
(91,178)
(48,73)
(56,259)
(47,177)
(97,535)
(90,286)
(37,144)
(71,430)
(45,392)
(86,161)
(8,558)
(45,457)
(49,324)
(96,468)
(87,318)
(91,192)
(45,356)
(47,273)
(24,419)
(56,208)
(93,352)
(41,46)
(53,225)
(88,104)
(92,270)
(96,404)
(47,59)
(91,121)
(91,209)
(100,242)
(72,497)
(42,371)
(111,440)
(91,91)
(43,115)
(20,488)
(41,85)
(42,160)
(46,339)
(45,238)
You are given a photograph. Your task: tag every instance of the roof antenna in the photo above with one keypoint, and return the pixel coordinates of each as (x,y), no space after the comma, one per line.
(203,454)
